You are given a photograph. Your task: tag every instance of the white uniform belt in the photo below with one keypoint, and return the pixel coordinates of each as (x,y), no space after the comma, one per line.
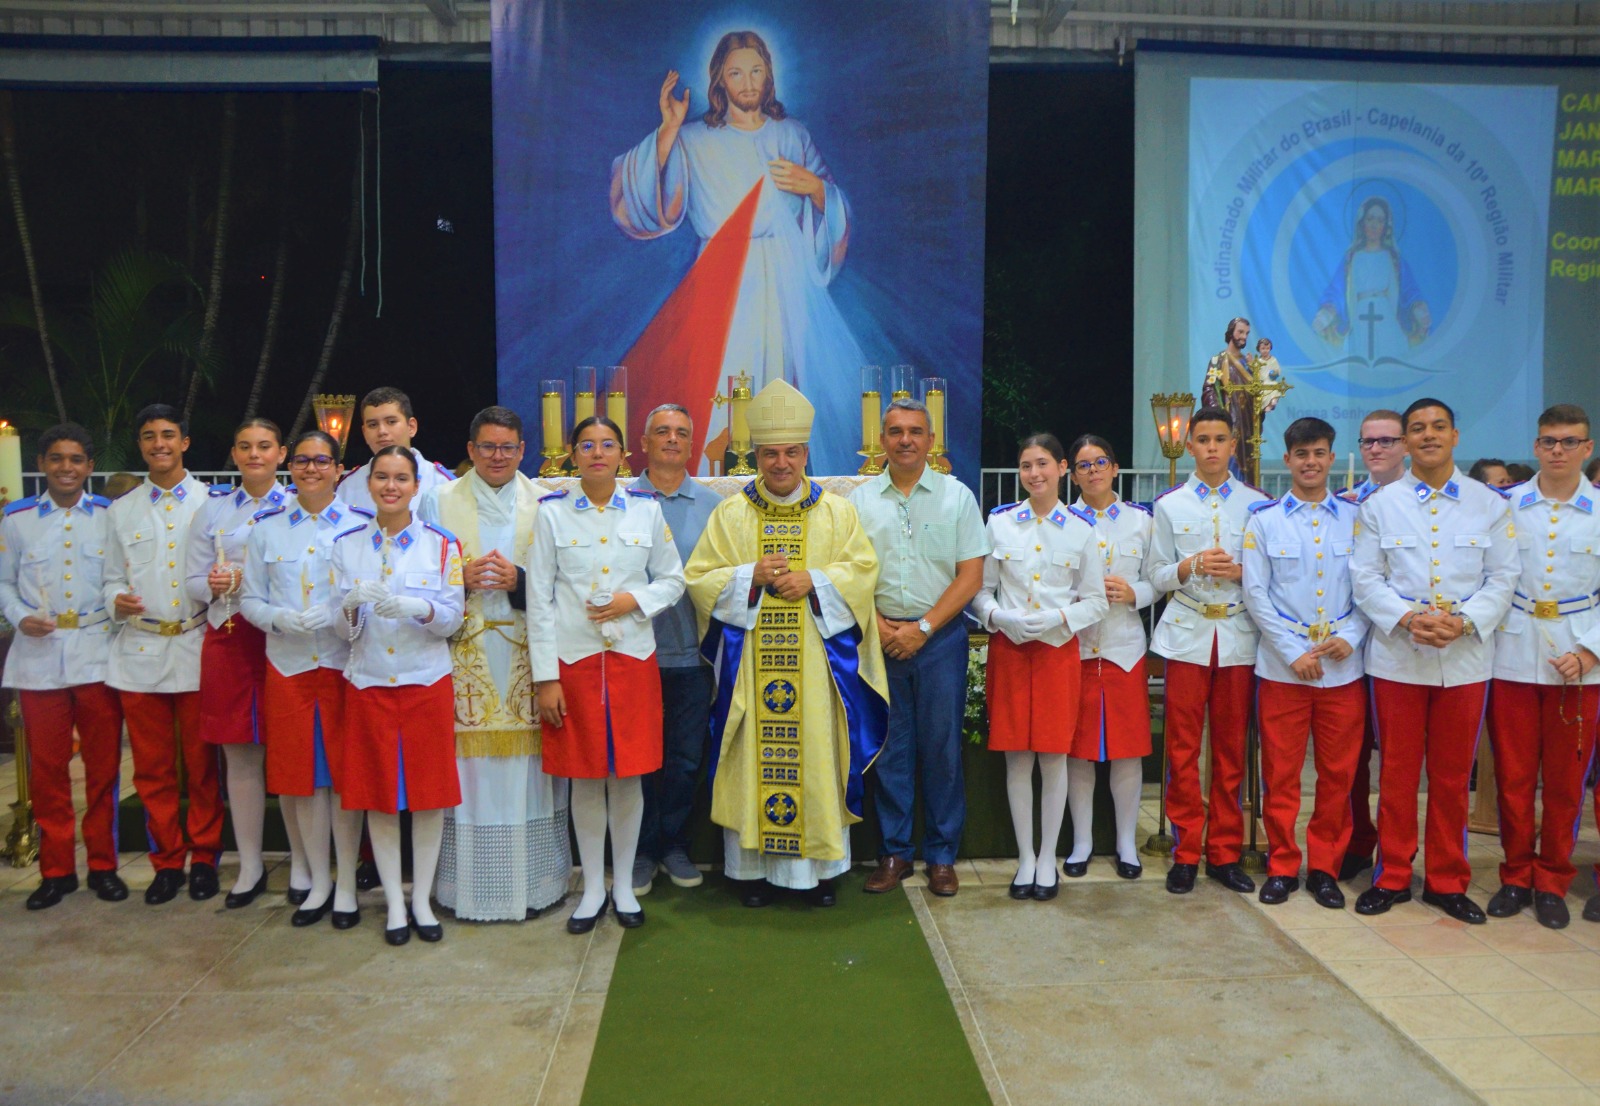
(1423,606)
(77,620)
(1209,610)
(1304,628)
(1555,608)
(167,628)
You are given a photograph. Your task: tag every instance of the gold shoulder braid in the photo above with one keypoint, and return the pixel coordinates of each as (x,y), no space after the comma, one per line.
(781,671)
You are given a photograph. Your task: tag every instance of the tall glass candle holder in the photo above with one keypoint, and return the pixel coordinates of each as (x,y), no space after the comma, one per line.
(583,387)
(933,396)
(871,420)
(617,410)
(902,380)
(553,424)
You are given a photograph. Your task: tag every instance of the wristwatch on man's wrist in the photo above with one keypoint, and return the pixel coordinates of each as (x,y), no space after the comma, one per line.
(925,626)
(1469,628)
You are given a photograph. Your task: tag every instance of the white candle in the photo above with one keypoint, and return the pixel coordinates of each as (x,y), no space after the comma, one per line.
(222,558)
(1350,477)
(10,463)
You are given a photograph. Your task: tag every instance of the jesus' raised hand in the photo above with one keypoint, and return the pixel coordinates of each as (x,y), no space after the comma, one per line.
(674,111)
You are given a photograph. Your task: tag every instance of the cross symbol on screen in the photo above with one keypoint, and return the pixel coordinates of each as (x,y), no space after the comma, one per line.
(1372,319)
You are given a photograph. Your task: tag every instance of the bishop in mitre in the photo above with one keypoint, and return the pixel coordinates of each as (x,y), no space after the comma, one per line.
(782,581)
(506,855)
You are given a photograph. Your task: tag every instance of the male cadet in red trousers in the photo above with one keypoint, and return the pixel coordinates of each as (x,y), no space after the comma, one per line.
(1210,645)
(1297,586)
(1434,570)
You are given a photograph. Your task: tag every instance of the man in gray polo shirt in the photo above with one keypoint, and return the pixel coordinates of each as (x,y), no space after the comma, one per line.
(931,542)
(686,680)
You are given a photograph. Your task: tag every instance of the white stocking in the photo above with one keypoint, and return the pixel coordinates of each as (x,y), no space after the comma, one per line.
(1080,796)
(346,853)
(299,867)
(1052,809)
(384,829)
(589,827)
(427,833)
(247,805)
(626,801)
(310,814)
(1127,788)
(1019,792)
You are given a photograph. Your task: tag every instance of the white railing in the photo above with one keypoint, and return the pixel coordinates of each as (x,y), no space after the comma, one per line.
(33,482)
(999,486)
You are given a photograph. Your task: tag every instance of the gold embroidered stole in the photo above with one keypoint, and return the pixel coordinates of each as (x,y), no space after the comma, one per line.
(487,723)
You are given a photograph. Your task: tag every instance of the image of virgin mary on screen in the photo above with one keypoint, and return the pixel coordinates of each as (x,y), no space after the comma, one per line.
(1372,307)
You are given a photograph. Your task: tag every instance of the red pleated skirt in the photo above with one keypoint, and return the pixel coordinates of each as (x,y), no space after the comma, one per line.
(233,672)
(1032,691)
(613,725)
(400,748)
(291,709)
(1114,712)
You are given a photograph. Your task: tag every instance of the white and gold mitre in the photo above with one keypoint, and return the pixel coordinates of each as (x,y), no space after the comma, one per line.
(780,415)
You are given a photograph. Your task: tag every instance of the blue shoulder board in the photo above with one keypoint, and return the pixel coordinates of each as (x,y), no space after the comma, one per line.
(22,505)
(363,512)
(1262,505)
(99,501)
(1004,507)
(1087,516)
(1137,506)
(352,530)
(217,490)
(1166,493)
(1368,494)
(441,531)
(1251,486)
(268,513)
(444,472)
(562,494)
(1503,493)
(641,493)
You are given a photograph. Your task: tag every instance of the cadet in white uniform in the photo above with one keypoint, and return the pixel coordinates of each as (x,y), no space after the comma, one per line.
(386,419)
(1210,645)
(155,661)
(52,551)
(1546,690)
(1434,571)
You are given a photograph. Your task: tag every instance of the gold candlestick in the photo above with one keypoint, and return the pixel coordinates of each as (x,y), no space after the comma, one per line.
(1263,388)
(871,420)
(22,843)
(933,396)
(738,401)
(552,420)
(617,411)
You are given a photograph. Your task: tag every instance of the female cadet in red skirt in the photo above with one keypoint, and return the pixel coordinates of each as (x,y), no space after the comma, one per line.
(1114,698)
(601,565)
(233,659)
(288,594)
(399,582)
(1041,586)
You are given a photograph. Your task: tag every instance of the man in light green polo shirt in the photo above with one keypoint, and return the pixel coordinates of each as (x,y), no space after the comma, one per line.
(931,542)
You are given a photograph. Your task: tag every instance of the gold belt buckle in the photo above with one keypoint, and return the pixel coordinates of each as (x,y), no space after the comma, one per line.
(1216,610)
(1445,606)
(67,620)
(171,629)
(1546,608)
(1319,632)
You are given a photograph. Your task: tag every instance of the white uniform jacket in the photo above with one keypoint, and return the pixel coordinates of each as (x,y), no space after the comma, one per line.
(1453,550)
(1122,540)
(353,484)
(51,563)
(288,566)
(228,513)
(1203,610)
(1296,577)
(581,549)
(159,650)
(421,561)
(1047,562)
(1557,601)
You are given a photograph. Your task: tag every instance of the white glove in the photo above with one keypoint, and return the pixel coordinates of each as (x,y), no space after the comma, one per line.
(1012,623)
(285,621)
(315,618)
(367,591)
(402,606)
(1035,623)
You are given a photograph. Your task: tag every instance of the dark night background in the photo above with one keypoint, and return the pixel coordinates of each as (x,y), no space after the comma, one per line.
(103,172)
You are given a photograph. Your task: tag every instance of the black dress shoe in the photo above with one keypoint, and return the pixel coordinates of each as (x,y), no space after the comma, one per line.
(399,935)
(297,896)
(1509,900)
(165,887)
(432,934)
(50,891)
(1022,892)
(1551,910)
(303,917)
(1459,907)
(1325,890)
(1041,893)
(346,919)
(754,893)
(203,883)
(1591,909)
(236,899)
(1231,876)
(1180,880)
(1377,900)
(1129,871)
(1075,869)
(579,926)
(1277,889)
(629,919)
(108,886)
(366,876)
(825,893)
(1353,865)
